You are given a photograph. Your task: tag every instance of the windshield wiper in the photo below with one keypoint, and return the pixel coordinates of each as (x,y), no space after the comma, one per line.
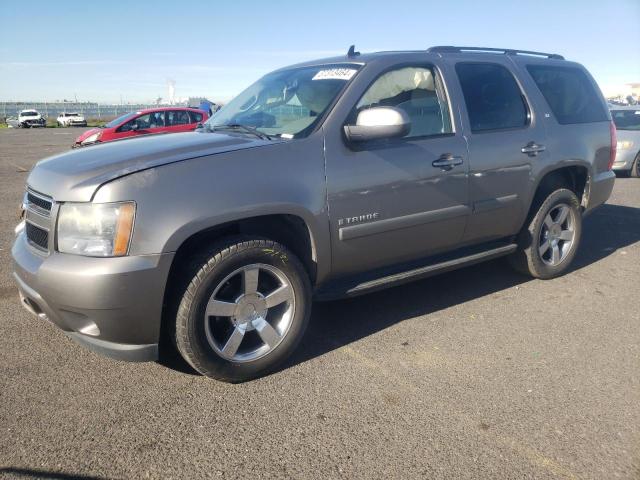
(244,128)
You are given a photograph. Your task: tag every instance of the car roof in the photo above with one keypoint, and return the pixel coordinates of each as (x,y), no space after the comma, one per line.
(357,58)
(624,107)
(162,109)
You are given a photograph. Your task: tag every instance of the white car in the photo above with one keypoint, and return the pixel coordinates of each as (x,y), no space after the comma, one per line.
(72,119)
(30,118)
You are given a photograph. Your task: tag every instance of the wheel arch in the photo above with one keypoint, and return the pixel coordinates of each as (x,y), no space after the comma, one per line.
(290,230)
(574,176)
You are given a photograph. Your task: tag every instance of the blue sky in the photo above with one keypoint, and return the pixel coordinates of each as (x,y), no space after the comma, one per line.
(105,51)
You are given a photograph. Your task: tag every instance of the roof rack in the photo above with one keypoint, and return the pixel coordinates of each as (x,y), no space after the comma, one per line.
(504,51)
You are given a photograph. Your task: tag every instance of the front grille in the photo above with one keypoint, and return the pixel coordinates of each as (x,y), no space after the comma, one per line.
(37,236)
(40,203)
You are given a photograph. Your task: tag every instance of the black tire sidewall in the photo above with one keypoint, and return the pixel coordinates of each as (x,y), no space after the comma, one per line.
(203,357)
(539,268)
(635,168)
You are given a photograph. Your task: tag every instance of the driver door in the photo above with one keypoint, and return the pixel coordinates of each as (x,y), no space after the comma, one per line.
(389,201)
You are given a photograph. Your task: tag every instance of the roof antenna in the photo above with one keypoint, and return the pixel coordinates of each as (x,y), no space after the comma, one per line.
(352,52)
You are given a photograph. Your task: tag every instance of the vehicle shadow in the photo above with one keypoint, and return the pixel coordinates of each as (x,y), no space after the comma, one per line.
(339,323)
(11,472)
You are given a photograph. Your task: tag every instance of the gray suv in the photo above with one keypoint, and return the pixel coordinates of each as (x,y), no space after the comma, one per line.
(326,179)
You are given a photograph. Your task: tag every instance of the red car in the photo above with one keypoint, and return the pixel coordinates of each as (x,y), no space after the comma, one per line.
(144,122)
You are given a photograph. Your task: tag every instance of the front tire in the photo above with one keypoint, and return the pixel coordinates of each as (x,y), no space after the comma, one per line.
(548,243)
(244,311)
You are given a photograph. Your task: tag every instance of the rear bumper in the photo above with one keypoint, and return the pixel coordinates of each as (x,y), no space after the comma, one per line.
(600,189)
(110,305)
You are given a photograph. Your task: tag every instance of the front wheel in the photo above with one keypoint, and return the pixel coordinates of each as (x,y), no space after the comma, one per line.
(548,243)
(244,311)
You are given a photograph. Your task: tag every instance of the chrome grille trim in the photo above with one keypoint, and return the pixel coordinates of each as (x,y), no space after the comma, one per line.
(38,203)
(37,236)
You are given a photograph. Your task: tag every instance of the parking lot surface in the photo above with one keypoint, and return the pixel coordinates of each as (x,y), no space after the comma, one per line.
(478,373)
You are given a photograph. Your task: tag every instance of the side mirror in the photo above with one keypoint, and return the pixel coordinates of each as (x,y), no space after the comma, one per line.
(378,123)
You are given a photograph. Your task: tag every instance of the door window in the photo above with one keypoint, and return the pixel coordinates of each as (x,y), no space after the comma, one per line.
(177,117)
(144,122)
(416,90)
(493,98)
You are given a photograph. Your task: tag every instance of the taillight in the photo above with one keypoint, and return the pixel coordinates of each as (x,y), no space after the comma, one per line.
(614,144)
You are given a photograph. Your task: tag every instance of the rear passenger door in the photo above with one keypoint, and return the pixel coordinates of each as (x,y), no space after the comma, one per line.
(505,139)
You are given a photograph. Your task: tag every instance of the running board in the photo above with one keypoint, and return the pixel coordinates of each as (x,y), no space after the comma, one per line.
(392,280)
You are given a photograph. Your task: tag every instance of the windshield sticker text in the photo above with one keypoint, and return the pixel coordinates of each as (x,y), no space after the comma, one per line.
(335,74)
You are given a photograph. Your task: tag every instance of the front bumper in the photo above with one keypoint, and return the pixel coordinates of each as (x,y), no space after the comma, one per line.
(624,159)
(34,123)
(110,305)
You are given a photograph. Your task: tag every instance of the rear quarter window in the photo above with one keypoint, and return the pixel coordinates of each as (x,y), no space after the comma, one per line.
(570,94)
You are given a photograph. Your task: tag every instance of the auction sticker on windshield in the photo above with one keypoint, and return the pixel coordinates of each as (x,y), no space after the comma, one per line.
(335,74)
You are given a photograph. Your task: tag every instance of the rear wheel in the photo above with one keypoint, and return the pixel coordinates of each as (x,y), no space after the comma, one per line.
(244,311)
(548,243)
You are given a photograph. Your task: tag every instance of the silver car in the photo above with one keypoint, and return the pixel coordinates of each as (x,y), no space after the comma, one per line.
(627,120)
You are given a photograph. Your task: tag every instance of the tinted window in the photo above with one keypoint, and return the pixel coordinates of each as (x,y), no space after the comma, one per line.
(195,117)
(145,122)
(626,119)
(412,89)
(569,93)
(493,98)
(178,117)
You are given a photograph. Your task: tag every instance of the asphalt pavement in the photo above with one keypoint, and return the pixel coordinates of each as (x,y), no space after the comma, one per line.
(479,373)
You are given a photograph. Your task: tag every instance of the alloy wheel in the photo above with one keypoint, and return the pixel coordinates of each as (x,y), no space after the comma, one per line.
(249,313)
(557,235)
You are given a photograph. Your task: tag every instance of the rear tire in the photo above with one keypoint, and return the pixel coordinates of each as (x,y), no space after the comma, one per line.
(549,241)
(245,310)
(635,168)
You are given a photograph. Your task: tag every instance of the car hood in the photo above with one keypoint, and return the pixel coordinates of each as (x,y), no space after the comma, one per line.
(75,176)
(87,134)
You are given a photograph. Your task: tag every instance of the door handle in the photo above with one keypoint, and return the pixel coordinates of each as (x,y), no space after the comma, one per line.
(532,149)
(447,161)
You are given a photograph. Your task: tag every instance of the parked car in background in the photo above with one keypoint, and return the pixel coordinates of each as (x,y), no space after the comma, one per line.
(627,120)
(12,122)
(30,118)
(145,122)
(71,119)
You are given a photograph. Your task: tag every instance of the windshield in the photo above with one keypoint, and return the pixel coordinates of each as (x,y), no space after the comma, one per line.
(119,120)
(29,114)
(626,119)
(288,102)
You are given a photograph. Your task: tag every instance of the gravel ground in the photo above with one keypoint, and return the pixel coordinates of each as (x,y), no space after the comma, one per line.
(478,373)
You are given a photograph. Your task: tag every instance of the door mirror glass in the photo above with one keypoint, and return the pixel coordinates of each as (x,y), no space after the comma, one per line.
(378,123)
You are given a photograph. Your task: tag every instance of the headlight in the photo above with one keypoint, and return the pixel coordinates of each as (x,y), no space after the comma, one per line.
(625,145)
(92,138)
(95,229)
